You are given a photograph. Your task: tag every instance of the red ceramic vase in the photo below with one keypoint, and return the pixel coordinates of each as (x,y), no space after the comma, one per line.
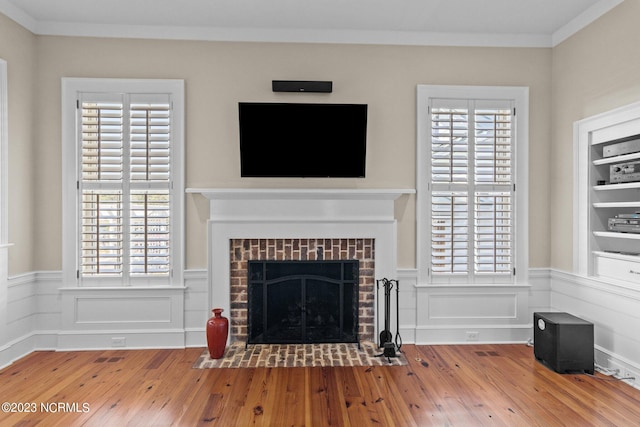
(217,332)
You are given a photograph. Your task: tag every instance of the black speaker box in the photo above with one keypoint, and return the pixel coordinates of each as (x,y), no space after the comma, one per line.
(301,86)
(563,342)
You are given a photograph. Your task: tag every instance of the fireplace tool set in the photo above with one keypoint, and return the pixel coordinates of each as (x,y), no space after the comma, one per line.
(386,337)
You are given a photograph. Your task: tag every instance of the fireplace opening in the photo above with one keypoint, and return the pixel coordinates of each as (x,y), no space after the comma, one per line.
(293,302)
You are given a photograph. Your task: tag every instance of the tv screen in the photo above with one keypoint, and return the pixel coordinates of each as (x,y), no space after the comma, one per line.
(302,140)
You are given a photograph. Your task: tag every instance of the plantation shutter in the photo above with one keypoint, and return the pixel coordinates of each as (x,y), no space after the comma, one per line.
(472,189)
(125,187)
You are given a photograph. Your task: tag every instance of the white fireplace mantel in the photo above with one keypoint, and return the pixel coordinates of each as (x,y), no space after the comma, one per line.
(237,213)
(300,193)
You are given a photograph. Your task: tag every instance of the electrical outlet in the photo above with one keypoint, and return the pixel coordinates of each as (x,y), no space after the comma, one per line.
(625,373)
(615,368)
(118,341)
(473,336)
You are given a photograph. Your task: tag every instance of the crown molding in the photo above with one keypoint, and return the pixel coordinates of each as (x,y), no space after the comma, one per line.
(302,35)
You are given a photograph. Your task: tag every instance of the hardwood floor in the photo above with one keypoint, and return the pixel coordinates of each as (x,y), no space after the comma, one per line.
(465,385)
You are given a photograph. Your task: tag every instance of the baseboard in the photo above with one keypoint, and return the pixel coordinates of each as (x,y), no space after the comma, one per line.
(618,367)
(120,339)
(473,334)
(195,337)
(22,346)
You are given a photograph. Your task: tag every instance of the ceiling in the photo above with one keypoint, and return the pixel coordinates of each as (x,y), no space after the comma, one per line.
(531,23)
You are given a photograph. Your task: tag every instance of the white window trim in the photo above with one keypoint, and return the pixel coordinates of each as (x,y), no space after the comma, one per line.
(520,95)
(4,152)
(71,87)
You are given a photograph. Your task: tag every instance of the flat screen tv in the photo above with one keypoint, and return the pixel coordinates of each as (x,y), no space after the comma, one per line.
(302,140)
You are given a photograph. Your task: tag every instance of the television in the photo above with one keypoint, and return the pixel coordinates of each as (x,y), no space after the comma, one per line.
(302,140)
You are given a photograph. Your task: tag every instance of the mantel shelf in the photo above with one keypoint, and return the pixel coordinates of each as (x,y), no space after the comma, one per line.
(299,193)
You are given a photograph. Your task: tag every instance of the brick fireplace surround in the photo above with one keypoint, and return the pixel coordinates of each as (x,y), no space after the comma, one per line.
(292,222)
(243,250)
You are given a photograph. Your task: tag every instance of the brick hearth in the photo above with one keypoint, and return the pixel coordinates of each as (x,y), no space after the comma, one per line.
(243,250)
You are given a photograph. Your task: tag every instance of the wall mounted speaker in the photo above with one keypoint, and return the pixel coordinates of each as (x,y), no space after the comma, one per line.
(301,86)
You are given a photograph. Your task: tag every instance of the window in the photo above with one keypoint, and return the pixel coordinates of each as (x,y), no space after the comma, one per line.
(471,228)
(123,148)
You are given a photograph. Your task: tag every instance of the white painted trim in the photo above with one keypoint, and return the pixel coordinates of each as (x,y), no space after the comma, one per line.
(135,339)
(583,20)
(271,35)
(520,96)
(613,310)
(610,125)
(608,360)
(417,326)
(300,193)
(18,14)
(4,154)
(417,38)
(612,288)
(294,214)
(4,197)
(482,286)
(70,89)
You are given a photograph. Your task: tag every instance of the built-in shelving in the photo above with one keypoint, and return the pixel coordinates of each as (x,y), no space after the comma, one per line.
(621,204)
(617,159)
(616,235)
(614,187)
(623,256)
(601,252)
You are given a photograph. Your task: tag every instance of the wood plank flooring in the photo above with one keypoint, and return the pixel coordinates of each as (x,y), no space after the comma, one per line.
(465,385)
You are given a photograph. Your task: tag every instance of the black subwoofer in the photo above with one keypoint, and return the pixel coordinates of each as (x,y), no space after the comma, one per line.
(563,342)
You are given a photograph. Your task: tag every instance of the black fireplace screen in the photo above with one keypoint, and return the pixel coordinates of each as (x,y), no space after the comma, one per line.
(302,301)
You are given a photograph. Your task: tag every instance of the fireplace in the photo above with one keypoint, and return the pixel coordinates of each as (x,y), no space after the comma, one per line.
(288,222)
(245,254)
(300,302)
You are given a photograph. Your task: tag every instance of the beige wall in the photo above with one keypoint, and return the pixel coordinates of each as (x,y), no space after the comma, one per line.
(218,75)
(17,47)
(594,71)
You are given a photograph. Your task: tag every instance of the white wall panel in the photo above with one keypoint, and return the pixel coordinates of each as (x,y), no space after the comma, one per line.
(47,303)
(539,293)
(18,318)
(123,310)
(447,314)
(473,306)
(196,308)
(122,318)
(21,301)
(407,303)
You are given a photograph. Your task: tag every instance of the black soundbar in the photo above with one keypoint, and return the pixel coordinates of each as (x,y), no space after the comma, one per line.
(301,86)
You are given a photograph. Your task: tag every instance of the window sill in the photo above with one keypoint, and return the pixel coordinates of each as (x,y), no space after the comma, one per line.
(471,285)
(122,288)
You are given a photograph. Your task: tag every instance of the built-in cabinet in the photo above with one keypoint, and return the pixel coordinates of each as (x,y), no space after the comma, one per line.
(608,187)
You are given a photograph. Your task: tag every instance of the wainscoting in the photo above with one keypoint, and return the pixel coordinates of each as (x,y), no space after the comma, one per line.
(41,315)
(614,312)
(470,314)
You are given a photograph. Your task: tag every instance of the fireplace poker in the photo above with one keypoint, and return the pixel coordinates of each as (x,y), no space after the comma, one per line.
(398,337)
